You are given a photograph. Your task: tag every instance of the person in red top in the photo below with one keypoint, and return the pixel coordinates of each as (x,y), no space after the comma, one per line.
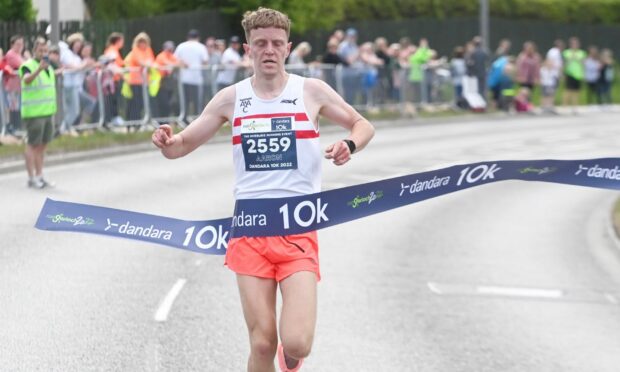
(112,52)
(167,62)
(140,57)
(12,83)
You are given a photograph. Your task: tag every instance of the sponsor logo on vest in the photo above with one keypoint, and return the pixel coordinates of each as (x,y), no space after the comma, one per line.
(293,101)
(278,124)
(148,232)
(599,172)
(357,201)
(244,103)
(75,221)
(418,186)
(249,220)
(538,171)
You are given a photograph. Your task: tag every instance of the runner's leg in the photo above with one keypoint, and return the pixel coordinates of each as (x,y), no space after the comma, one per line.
(258,299)
(298,318)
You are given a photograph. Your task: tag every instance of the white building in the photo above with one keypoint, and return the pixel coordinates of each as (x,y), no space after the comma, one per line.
(68,10)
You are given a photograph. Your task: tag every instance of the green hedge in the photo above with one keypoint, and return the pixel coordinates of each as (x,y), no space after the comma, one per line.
(581,11)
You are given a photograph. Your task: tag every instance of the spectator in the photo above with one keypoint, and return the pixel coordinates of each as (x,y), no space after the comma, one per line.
(555,55)
(506,84)
(215,58)
(385,71)
(592,71)
(606,77)
(88,98)
(417,63)
(193,56)
(231,60)
(351,74)
(331,58)
(140,57)
(528,66)
(395,69)
(38,108)
(574,72)
(503,49)
(337,36)
(548,82)
(210,45)
(458,70)
(73,80)
(297,55)
(112,97)
(12,85)
(522,101)
(496,75)
(370,73)
(167,62)
(478,65)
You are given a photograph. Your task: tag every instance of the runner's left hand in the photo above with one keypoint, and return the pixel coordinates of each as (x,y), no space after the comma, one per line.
(339,152)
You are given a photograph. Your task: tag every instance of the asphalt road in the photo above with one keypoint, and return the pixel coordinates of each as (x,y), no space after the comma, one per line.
(511,276)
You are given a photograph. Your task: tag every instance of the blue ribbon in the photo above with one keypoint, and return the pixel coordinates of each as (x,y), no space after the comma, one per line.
(295,215)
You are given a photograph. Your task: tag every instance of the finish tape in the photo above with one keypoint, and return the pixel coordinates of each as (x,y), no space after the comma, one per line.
(299,214)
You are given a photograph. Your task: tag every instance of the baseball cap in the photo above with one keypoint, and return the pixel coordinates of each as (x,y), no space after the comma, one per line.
(168,45)
(235,39)
(351,31)
(193,34)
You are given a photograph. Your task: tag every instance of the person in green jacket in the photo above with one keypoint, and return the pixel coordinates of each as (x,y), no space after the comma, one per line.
(38,108)
(573,71)
(416,74)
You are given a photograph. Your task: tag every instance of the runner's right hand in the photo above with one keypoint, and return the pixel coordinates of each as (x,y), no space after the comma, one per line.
(163,136)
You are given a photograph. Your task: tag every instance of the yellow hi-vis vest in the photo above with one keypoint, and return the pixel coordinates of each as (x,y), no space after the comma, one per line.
(38,97)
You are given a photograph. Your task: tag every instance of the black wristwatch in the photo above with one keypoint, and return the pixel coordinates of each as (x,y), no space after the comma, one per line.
(351,145)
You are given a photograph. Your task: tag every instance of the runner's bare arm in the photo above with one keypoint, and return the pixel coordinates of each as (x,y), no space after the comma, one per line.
(334,108)
(199,131)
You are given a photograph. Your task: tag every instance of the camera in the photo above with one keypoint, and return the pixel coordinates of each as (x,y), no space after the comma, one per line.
(46,59)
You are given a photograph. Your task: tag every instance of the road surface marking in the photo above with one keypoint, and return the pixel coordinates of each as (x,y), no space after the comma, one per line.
(611,298)
(164,308)
(520,292)
(433,287)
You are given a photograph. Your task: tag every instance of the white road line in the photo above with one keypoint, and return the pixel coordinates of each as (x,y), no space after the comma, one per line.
(611,298)
(164,308)
(520,292)
(433,287)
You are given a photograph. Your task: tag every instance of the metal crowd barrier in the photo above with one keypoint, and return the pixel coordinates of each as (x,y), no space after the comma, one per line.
(107,102)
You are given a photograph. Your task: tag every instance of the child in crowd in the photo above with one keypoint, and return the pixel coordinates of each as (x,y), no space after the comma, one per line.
(522,101)
(548,82)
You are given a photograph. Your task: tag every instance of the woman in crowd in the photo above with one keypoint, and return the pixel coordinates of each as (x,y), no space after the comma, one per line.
(141,57)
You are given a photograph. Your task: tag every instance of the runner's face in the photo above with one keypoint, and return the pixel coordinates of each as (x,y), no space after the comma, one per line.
(268,48)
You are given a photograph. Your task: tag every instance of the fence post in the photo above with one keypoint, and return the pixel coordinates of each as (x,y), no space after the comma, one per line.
(100,100)
(339,83)
(2,108)
(182,108)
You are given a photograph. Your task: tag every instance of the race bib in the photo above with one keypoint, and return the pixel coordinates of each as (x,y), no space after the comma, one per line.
(269,143)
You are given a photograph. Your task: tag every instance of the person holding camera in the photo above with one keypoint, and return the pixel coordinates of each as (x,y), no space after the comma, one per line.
(38,106)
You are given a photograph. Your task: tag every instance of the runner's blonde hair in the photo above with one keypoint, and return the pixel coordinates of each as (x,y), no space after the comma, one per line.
(263,18)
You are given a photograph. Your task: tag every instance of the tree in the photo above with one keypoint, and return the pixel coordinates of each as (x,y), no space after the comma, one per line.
(17,10)
(109,10)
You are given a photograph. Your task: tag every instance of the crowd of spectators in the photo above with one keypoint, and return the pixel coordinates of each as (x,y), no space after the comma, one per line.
(367,73)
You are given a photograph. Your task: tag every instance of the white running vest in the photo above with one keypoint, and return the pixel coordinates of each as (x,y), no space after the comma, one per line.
(276,147)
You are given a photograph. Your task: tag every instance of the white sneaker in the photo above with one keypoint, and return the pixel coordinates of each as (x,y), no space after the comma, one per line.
(36,183)
(47,183)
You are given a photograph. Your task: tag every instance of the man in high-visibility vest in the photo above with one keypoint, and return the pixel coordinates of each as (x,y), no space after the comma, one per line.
(37,109)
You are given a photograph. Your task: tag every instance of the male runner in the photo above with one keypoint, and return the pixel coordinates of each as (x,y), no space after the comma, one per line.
(276,152)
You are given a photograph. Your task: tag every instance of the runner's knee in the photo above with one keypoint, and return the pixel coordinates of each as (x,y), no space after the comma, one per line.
(297,347)
(264,347)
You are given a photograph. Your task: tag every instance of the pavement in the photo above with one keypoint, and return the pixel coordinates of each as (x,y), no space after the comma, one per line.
(511,276)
